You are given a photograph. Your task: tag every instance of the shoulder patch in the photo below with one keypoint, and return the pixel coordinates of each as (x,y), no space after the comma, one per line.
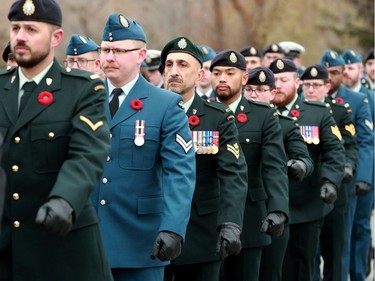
(99,87)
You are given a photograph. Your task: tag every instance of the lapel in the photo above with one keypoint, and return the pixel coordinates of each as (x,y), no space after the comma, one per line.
(51,82)
(9,100)
(197,109)
(300,107)
(245,108)
(341,93)
(139,91)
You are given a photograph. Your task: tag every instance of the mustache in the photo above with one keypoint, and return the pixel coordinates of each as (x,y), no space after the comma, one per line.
(171,80)
(21,44)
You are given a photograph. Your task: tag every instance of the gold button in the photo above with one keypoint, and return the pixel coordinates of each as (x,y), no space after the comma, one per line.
(17,140)
(104,180)
(247,140)
(102,202)
(15,168)
(16,224)
(51,135)
(16,196)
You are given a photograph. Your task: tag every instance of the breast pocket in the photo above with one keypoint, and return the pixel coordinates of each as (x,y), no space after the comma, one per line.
(49,146)
(251,146)
(135,157)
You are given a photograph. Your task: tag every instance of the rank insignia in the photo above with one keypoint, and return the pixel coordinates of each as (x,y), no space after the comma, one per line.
(369,124)
(99,87)
(93,126)
(28,8)
(351,129)
(335,130)
(234,149)
(186,145)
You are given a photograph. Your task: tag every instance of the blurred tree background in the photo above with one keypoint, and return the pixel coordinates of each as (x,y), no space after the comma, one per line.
(224,24)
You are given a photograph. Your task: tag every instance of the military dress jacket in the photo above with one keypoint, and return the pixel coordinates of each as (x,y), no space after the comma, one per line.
(363,123)
(324,143)
(56,147)
(146,186)
(221,186)
(261,140)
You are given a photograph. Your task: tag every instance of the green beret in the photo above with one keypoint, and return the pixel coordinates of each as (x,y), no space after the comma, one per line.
(6,52)
(208,52)
(369,55)
(251,51)
(282,65)
(315,71)
(261,76)
(79,45)
(36,10)
(332,58)
(119,28)
(351,56)
(229,58)
(273,48)
(181,45)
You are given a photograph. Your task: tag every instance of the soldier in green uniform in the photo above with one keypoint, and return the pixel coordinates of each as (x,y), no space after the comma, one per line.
(261,87)
(312,199)
(260,137)
(56,141)
(315,88)
(218,203)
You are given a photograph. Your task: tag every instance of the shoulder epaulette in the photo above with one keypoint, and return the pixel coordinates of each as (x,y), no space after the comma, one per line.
(339,104)
(217,105)
(287,117)
(261,103)
(80,73)
(9,69)
(317,103)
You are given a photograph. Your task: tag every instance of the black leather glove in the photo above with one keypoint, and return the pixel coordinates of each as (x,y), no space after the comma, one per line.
(296,169)
(361,188)
(274,224)
(328,192)
(167,246)
(229,242)
(348,173)
(56,216)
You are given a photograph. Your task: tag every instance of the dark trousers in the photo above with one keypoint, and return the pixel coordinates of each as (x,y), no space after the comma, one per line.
(138,274)
(300,254)
(208,271)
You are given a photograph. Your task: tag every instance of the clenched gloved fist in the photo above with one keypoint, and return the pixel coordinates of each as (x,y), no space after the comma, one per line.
(328,192)
(274,224)
(361,188)
(229,242)
(348,173)
(296,169)
(56,216)
(167,246)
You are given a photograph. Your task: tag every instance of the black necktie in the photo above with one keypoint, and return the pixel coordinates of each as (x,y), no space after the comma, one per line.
(281,109)
(28,88)
(114,104)
(204,97)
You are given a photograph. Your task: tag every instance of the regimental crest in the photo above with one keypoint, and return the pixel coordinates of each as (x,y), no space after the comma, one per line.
(262,77)
(280,64)
(253,51)
(233,57)
(83,39)
(274,48)
(351,129)
(28,8)
(182,44)
(332,54)
(314,72)
(49,81)
(335,130)
(123,21)
(234,149)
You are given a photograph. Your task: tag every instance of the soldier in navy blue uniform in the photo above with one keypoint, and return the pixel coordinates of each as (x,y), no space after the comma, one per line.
(312,199)
(361,185)
(144,195)
(260,137)
(218,204)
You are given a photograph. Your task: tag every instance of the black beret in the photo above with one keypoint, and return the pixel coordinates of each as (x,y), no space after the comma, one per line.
(36,10)
(6,52)
(181,45)
(315,71)
(282,65)
(369,55)
(273,48)
(229,58)
(261,76)
(251,51)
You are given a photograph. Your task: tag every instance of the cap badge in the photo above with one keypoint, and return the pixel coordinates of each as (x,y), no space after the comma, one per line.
(123,21)
(274,48)
(253,51)
(353,53)
(148,59)
(262,77)
(280,64)
(182,43)
(314,72)
(333,55)
(28,8)
(233,57)
(205,50)
(82,39)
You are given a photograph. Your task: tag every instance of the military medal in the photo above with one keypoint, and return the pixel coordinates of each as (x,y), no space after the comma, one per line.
(139,134)
(315,135)
(199,143)
(308,135)
(215,142)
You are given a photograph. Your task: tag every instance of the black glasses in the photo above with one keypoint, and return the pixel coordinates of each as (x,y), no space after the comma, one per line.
(258,91)
(79,61)
(313,85)
(115,51)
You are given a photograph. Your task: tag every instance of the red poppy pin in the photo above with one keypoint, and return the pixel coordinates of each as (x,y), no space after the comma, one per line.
(194,120)
(45,98)
(340,100)
(294,113)
(136,104)
(242,117)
